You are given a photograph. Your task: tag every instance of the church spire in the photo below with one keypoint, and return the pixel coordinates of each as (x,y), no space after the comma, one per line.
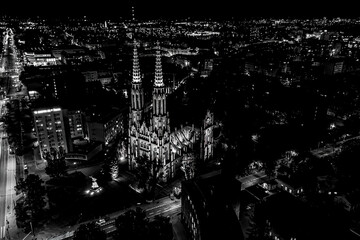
(136,78)
(137,93)
(159,82)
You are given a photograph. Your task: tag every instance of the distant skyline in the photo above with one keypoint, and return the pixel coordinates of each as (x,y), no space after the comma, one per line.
(183,8)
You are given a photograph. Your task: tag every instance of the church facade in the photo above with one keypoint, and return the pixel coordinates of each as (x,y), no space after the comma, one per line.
(149,134)
(149,138)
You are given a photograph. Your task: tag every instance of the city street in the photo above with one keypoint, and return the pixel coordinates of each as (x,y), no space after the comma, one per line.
(330,150)
(3,196)
(7,186)
(251,180)
(163,206)
(10,67)
(7,160)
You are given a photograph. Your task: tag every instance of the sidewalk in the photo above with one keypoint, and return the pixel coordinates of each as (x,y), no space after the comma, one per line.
(178,228)
(13,232)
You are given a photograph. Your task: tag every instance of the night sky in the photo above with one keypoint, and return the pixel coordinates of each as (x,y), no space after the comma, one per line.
(183,8)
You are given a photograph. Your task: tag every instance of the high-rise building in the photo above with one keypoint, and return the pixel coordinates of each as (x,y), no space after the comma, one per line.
(52,130)
(76,124)
(334,66)
(106,124)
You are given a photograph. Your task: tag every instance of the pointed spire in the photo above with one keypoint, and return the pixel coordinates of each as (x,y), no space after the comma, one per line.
(136,67)
(158,69)
(133,12)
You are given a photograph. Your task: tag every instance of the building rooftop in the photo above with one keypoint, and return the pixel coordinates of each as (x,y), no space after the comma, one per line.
(104,115)
(85,147)
(293,182)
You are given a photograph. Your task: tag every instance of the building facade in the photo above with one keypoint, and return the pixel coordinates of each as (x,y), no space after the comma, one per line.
(90,76)
(76,124)
(106,127)
(39,59)
(52,130)
(208,135)
(149,129)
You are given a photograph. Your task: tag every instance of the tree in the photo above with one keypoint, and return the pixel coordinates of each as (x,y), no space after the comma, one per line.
(132,225)
(89,231)
(21,185)
(34,201)
(160,229)
(22,216)
(188,166)
(106,172)
(259,226)
(13,126)
(114,169)
(56,167)
(149,174)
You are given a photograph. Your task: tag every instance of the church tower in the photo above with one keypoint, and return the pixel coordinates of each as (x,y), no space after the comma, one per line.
(160,118)
(160,126)
(208,136)
(137,92)
(152,140)
(136,113)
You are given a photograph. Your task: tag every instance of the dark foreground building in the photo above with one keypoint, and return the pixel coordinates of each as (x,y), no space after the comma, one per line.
(207,209)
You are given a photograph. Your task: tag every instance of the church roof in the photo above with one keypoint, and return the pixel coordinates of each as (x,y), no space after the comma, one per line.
(183,137)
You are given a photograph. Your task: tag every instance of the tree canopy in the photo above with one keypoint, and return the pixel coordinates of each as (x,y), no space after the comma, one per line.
(56,167)
(89,231)
(149,173)
(134,225)
(32,207)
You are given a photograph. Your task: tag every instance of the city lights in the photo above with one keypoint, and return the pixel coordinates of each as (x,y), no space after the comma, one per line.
(47,111)
(176,122)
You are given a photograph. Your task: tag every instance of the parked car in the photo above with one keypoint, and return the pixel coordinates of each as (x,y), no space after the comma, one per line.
(101,221)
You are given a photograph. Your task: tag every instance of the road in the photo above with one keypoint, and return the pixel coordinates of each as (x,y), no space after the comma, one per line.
(10,67)
(163,206)
(330,150)
(7,185)
(251,180)
(7,161)
(3,178)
